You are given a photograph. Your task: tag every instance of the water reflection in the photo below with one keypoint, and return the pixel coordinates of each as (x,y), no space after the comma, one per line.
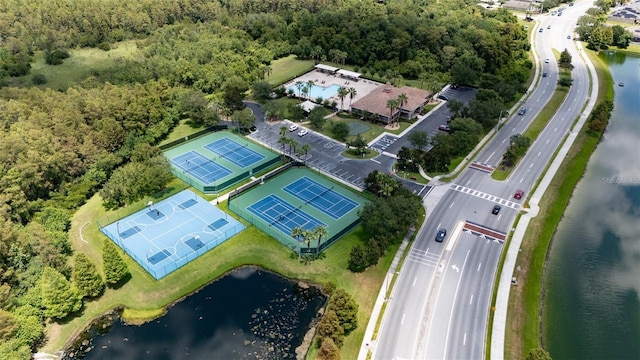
(248,314)
(592,306)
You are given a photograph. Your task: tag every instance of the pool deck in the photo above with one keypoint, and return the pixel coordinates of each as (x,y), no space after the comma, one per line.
(362,86)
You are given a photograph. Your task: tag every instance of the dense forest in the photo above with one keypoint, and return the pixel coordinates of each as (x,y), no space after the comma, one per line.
(58,147)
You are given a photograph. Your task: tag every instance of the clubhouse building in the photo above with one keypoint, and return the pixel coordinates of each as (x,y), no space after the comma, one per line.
(373,106)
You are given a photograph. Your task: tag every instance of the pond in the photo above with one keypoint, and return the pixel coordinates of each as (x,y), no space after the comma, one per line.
(248,314)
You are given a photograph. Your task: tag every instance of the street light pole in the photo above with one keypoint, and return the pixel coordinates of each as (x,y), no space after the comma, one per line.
(500,118)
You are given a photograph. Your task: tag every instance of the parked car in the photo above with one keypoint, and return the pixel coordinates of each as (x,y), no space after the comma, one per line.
(303,132)
(253,128)
(444,128)
(496,209)
(293,127)
(518,195)
(442,233)
(443,97)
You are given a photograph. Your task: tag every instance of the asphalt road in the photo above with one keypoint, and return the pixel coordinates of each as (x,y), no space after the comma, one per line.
(439,311)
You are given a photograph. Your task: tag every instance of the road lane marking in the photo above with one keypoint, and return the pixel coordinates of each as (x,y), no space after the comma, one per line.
(504,140)
(499,217)
(402,321)
(547,141)
(521,180)
(468,182)
(464,341)
(439,225)
(414,282)
(455,296)
(486,161)
(450,206)
(530,166)
(539,153)
(375,161)
(479,266)
(471,300)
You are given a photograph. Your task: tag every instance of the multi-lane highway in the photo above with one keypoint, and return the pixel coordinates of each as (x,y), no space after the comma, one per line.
(439,307)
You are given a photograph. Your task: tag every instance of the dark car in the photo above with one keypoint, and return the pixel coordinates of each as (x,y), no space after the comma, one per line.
(496,209)
(443,97)
(544,74)
(253,128)
(522,111)
(518,195)
(442,233)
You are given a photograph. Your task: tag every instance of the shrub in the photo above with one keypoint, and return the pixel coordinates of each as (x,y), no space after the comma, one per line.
(39,79)
(104,46)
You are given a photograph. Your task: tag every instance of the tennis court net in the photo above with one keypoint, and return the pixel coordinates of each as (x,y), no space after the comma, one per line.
(319,195)
(233,150)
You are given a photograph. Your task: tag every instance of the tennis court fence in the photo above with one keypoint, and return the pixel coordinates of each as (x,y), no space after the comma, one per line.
(193,136)
(158,272)
(139,205)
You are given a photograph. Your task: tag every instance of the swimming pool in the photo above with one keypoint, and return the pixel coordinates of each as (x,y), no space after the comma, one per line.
(317,91)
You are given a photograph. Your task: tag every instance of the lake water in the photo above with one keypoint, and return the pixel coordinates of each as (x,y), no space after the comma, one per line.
(248,314)
(592,282)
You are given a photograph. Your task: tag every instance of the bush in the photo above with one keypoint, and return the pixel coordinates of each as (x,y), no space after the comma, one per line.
(104,46)
(56,57)
(358,261)
(39,79)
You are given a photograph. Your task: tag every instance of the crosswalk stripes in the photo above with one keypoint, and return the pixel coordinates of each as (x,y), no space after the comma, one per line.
(483,195)
(423,257)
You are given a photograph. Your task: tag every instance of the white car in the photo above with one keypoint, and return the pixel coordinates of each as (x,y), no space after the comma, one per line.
(303,132)
(293,127)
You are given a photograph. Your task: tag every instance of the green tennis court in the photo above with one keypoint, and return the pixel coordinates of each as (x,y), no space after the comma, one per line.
(215,161)
(302,198)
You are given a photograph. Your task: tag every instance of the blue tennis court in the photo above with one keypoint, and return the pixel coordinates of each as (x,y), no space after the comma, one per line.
(321,197)
(282,215)
(165,236)
(238,154)
(201,168)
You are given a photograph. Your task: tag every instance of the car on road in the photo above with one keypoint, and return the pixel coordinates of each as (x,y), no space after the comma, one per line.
(540,30)
(522,111)
(496,209)
(546,60)
(442,233)
(548,27)
(293,128)
(444,128)
(569,37)
(518,195)
(544,74)
(303,132)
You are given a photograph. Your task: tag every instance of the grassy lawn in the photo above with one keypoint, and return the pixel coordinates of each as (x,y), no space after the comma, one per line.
(183,129)
(144,298)
(370,154)
(374,129)
(454,164)
(523,318)
(82,63)
(412,175)
(285,69)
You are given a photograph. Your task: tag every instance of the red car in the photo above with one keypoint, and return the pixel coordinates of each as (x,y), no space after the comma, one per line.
(518,195)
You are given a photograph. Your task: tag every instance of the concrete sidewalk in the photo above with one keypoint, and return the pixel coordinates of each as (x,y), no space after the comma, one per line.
(504,287)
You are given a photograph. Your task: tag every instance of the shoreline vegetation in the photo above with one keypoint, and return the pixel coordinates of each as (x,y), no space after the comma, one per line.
(525,302)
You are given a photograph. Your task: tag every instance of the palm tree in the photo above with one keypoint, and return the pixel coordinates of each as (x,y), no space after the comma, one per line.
(299,85)
(296,232)
(310,85)
(283,131)
(283,140)
(392,104)
(292,146)
(308,236)
(305,90)
(266,71)
(422,77)
(352,94)
(319,232)
(402,99)
(305,149)
(342,93)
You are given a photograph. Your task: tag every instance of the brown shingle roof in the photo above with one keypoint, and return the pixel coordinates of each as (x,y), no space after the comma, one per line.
(376,101)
